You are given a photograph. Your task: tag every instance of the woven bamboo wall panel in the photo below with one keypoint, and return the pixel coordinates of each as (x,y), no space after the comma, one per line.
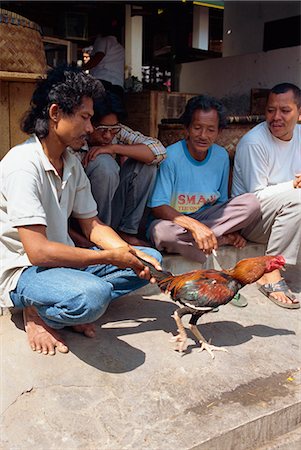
(4,118)
(21,46)
(169,133)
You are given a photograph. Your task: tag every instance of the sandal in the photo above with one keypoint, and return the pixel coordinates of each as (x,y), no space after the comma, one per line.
(239,300)
(279,286)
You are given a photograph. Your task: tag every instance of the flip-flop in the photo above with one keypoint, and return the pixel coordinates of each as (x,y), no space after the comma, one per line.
(279,286)
(239,300)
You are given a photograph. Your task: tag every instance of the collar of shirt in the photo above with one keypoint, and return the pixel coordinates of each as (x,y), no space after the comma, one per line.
(68,159)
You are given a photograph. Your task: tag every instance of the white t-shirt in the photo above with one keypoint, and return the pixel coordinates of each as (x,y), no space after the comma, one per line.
(265,164)
(32,193)
(111,67)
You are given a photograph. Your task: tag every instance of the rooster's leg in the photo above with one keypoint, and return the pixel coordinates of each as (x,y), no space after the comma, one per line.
(204,344)
(181,338)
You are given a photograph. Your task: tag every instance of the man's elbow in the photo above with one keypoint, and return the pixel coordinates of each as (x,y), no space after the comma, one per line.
(42,257)
(157,211)
(38,259)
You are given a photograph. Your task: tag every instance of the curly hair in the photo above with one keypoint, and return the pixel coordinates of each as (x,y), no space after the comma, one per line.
(65,86)
(204,103)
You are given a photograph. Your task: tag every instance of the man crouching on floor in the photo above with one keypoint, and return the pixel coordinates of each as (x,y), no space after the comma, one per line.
(42,185)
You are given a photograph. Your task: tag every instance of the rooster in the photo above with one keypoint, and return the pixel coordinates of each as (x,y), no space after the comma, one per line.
(200,291)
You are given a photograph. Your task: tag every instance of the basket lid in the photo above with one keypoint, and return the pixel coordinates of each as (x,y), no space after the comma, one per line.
(15,19)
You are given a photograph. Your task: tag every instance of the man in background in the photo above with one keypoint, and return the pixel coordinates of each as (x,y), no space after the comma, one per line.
(107,62)
(86,54)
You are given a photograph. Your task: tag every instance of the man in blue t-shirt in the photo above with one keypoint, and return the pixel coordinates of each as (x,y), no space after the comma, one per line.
(190,204)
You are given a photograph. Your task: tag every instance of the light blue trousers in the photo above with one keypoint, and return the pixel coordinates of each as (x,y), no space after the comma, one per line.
(121,193)
(66,297)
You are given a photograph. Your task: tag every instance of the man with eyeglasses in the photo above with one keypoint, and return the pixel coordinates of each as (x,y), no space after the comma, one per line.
(121,165)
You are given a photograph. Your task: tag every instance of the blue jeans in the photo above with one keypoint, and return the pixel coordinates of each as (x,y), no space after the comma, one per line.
(66,297)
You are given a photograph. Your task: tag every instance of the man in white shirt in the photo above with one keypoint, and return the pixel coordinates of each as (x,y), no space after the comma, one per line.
(107,62)
(42,186)
(268,163)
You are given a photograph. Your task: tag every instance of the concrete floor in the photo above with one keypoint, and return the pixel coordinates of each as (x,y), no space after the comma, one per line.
(128,388)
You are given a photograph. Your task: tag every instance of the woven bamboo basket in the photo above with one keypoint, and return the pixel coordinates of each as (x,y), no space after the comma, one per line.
(21,46)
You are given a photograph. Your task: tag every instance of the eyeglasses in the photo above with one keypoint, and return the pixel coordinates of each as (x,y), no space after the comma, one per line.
(113,129)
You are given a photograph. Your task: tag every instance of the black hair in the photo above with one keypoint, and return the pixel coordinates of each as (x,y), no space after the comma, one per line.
(65,86)
(88,50)
(204,103)
(282,88)
(109,104)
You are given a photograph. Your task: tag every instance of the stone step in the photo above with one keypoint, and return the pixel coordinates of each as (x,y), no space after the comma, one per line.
(289,441)
(128,389)
(279,429)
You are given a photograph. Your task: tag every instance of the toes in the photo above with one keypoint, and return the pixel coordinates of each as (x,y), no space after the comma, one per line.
(281,297)
(87,330)
(90,333)
(61,347)
(50,349)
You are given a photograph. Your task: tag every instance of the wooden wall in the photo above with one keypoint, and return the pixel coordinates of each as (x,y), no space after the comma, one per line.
(15,98)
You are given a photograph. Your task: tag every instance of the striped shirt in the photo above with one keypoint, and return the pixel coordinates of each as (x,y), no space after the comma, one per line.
(127,136)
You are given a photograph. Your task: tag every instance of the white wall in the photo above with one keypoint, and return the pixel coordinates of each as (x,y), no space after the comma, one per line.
(200,28)
(133,44)
(236,75)
(244,23)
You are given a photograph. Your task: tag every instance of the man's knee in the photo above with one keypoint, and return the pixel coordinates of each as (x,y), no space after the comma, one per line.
(294,200)
(251,204)
(162,233)
(137,169)
(103,168)
(89,302)
(149,172)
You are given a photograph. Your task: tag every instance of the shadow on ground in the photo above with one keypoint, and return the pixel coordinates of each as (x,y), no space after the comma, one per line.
(109,351)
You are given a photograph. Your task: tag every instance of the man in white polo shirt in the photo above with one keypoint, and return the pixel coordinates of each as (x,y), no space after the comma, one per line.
(42,186)
(268,163)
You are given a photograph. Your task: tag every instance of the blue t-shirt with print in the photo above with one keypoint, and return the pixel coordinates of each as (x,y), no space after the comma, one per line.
(189,185)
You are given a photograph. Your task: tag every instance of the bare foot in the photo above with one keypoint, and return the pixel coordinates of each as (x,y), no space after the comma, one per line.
(234,239)
(133,239)
(274,277)
(88,329)
(42,338)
